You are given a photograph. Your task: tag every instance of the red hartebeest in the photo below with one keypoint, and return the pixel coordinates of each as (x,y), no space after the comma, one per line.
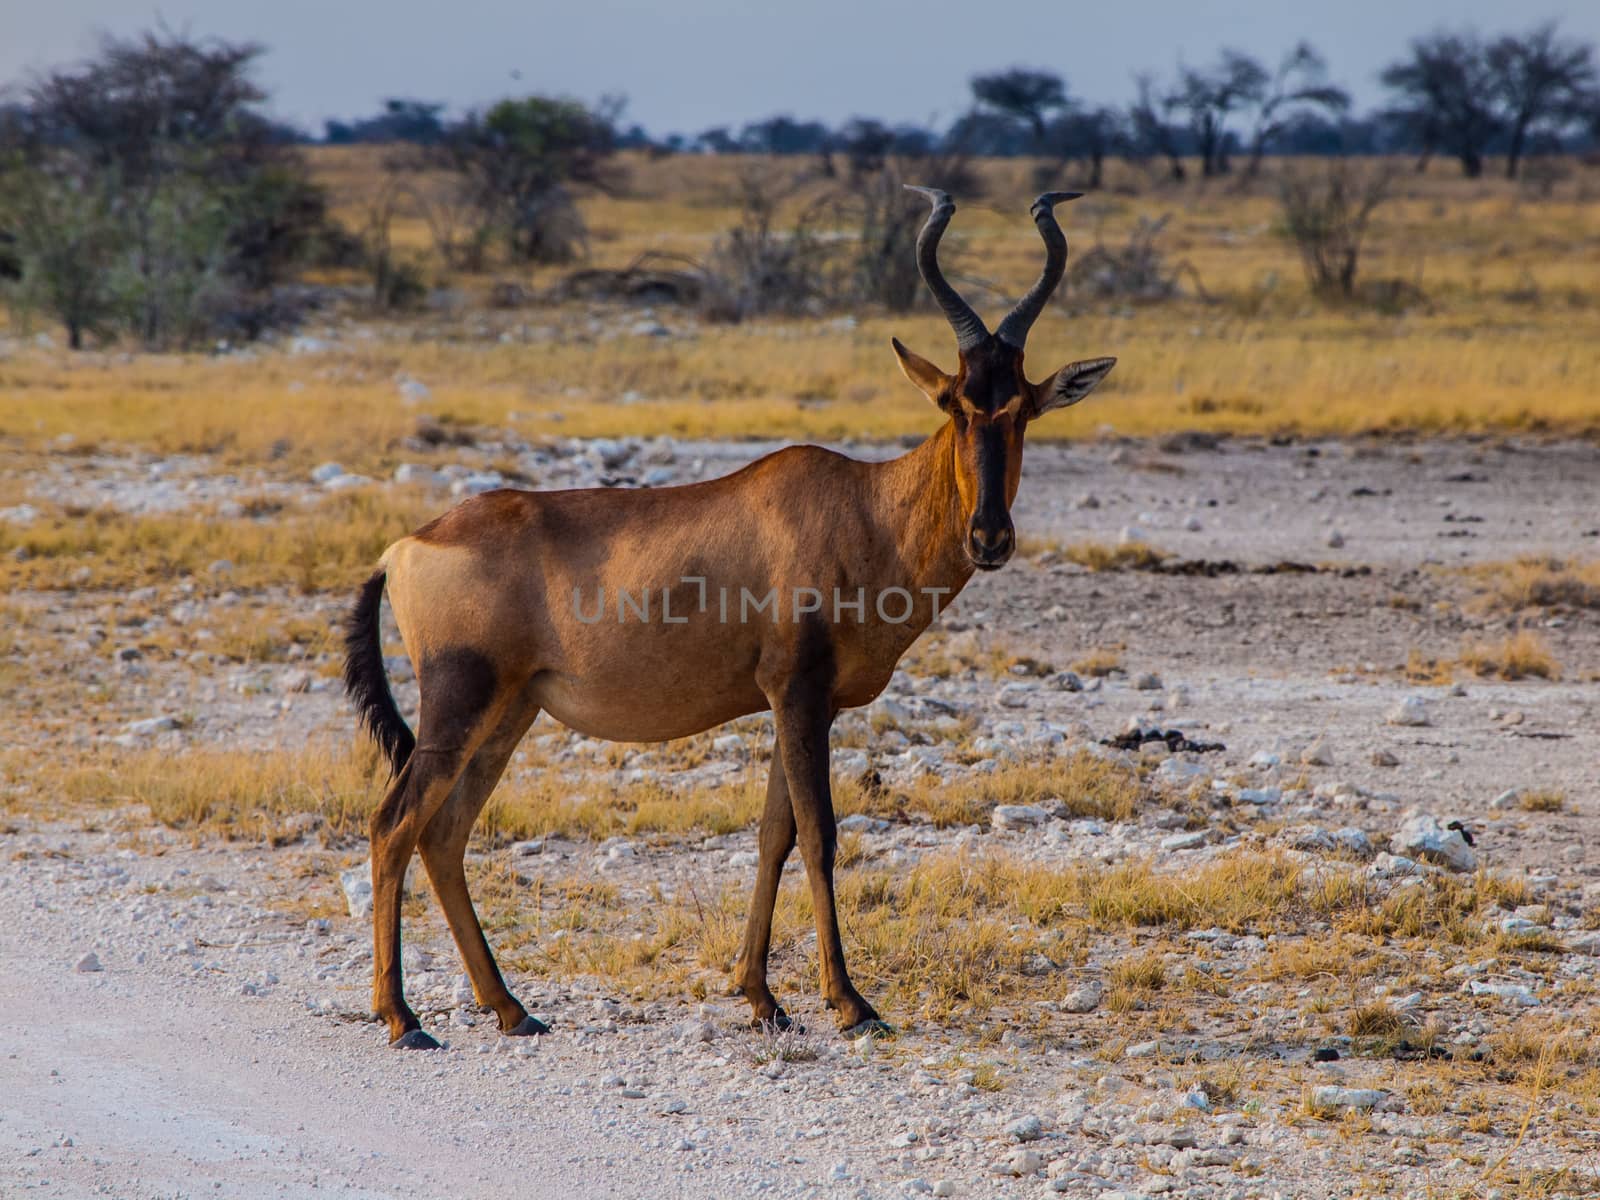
(793,585)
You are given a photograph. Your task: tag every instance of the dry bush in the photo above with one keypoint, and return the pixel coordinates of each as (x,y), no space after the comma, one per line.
(1326,213)
(1537,581)
(1523,655)
(757,269)
(1137,270)
(1099,663)
(1542,802)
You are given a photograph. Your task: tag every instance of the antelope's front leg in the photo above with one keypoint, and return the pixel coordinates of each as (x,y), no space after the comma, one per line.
(775,840)
(803,720)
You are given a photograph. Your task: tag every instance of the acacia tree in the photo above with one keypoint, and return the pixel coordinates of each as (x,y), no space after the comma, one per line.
(179,197)
(516,160)
(1445,94)
(1022,94)
(1298,87)
(1543,80)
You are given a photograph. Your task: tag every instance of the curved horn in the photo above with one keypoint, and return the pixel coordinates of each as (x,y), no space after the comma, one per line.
(1014,329)
(969,327)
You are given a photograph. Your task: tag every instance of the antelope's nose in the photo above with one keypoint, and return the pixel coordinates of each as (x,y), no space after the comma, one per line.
(990,547)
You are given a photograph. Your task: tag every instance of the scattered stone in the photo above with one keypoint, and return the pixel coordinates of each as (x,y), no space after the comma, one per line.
(1025,1162)
(357,885)
(1084,998)
(1317,754)
(1018,816)
(1382,758)
(1506,799)
(1512,993)
(1192,839)
(326,473)
(1410,711)
(1148,682)
(944,1187)
(862,823)
(152,725)
(1332,1096)
(1026,1129)
(528,848)
(88,964)
(1335,540)
(1422,836)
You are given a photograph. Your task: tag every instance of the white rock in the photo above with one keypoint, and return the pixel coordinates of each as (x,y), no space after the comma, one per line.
(1148,682)
(1422,836)
(1412,710)
(1334,1096)
(1083,998)
(528,848)
(1026,1129)
(88,964)
(1335,540)
(1025,1162)
(944,1187)
(1191,839)
(1512,993)
(152,725)
(1018,816)
(1317,754)
(862,823)
(326,471)
(357,885)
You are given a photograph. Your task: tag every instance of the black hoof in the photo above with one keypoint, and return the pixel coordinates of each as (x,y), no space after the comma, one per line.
(414,1039)
(528,1027)
(872,1027)
(778,1022)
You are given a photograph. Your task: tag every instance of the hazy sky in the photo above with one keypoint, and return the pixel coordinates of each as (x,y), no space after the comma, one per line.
(686,65)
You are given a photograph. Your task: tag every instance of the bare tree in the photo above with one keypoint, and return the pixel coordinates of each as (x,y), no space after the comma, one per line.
(1446,93)
(1326,212)
(1151,131)
(1300,85)
(1089,134)
(1543,80)
(1208,98)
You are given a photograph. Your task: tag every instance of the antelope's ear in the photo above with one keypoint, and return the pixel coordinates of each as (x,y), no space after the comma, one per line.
(1070,384)
(935,384)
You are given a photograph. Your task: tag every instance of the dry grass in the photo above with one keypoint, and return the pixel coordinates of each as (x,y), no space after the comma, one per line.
(244,795)
(1099,662)
(1522,655)
(1542,801)
(1082,785)
(1488,353)
(1125,556)
(1537,581)
(329,545)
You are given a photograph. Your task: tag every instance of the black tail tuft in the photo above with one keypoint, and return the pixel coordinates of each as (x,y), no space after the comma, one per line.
(364,679)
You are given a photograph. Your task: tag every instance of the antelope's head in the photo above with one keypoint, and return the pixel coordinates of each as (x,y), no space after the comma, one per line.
(989,400)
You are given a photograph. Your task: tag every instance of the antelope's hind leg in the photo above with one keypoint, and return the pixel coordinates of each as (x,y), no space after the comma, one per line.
(775,841)
(444,845)
(459,707)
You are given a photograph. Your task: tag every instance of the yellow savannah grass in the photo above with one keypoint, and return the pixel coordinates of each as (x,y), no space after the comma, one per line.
(1522,655)
(1503,344)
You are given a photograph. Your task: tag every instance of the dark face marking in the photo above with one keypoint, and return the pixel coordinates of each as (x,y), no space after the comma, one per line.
(987,406)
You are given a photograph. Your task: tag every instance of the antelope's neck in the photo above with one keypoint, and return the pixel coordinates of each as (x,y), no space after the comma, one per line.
(922,511)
